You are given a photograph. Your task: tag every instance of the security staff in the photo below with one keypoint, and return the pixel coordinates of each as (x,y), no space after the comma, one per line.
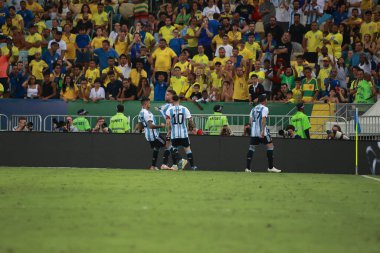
(81,123)
(119,123)
(216,122)
(301,122)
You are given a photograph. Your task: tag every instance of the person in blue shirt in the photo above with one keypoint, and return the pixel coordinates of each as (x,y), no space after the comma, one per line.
(16,78)
(26,14)
(177,44)
(104,53)
(82,42)
(205,36)
(135,47)
(214,23)
(331,83)
(340,15)
(3,12)
(160,87)
(51,55)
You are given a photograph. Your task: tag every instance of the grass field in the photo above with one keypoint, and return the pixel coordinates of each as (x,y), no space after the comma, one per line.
(99,210)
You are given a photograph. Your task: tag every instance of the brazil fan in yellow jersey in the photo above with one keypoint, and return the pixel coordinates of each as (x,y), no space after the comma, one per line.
(148,123)
(260,133)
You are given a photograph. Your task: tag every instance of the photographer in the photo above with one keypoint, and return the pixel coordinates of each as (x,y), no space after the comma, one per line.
(101,126)
(64,127)
(247,129)
(226,131)
(290,132)
(336,134)
(22,126)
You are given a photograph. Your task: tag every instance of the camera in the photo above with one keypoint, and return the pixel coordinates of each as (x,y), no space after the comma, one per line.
(59,126)
(284,133)
(29,126)
(336,135)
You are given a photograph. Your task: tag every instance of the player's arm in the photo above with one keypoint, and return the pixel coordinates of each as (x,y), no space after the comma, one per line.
(152,126)
(139,127)
(263,125)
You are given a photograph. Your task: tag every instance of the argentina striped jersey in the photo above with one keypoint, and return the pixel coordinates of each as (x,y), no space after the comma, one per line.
(256,116)
(164,108)
(178,116)
(144,117)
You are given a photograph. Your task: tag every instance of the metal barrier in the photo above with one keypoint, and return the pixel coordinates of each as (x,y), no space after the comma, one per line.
(48,120)
(4,122)
(347,111)
(35,119)
(369,128)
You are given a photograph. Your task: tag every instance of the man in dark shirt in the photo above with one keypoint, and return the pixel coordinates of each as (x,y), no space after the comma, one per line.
(127,91)
(245,10)
(274,29)
(113,86)
(284,49)
(255,89)
(85,23)
(16,78)
(297,30)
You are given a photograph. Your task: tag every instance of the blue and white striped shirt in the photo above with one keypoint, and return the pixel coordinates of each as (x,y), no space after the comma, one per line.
(164,108)
(178,116)
(144,117)
(257,114)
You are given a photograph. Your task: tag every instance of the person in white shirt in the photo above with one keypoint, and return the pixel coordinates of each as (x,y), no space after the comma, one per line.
(62,44)
(227,47)
(210,10)
(97,93)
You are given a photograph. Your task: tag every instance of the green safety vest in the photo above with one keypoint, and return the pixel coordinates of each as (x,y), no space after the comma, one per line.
(364,94)
(215,123)
(119,123)
(301,123)
(82,124)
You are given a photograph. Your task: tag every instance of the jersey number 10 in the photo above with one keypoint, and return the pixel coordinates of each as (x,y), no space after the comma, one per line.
(178,119)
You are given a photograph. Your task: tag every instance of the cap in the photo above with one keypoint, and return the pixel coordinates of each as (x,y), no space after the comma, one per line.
(82,112)
(300,106)
(218,108)
(326,59)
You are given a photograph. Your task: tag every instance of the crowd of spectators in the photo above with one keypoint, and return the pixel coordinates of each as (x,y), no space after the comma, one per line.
(232,51)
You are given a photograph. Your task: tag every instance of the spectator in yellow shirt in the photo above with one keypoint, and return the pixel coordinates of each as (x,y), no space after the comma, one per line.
(92,73)
(69,38)
(33,42)
(69,90)
(178,82)
(34,7)
(38,66)
(240,82)
(311,43)
(138,73)
(121,43)
(100,18)
(163,59)
(97,41)
(166,32)
(368,26)
(234,35)
(17,19)
(7,27)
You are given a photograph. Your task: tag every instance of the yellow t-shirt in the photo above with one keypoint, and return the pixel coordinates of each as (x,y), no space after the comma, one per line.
(116,69)
(92,74)
(240,88)
(167,33)
(6,30)
(297,95)
(100,19)
(34,7)
(336,41)
(93,7)
(163,58)
(33,39)
(179,85)
(121,47)
(71,93)
(234,36)
(1,90)
(15,52)
(254,48)
(260,74)
(135,76)
(70,46)
(148,41)
(365,5)
(192,42)
(368,28)
(323,74)
(16,21)
(216,81)
(97,42)
(184,66)
(313,40)
(221,60)
(37,68)
(41,26)
(217,40)
(247,55)
(201,59)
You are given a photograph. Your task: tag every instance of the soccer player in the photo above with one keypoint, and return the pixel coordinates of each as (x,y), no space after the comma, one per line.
(147,121)
(176,118)
(169,148)
(260,133)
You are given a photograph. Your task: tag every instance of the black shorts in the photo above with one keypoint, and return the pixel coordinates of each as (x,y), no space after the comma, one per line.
(157,143)
(184,142)
(257,140)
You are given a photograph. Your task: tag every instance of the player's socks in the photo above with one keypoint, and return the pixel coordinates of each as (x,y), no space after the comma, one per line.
(250,155)
(166,156)
(175,155)
(190,158)
(154,159)
(270,157)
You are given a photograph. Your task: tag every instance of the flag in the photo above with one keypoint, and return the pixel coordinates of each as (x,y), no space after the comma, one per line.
(357,122)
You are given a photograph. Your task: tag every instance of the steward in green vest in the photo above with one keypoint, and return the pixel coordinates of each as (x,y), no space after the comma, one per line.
(119,123)
(301,122)
(216,122)
(81,123)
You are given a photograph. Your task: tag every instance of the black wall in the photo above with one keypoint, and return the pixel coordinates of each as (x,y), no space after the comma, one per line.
(210,152)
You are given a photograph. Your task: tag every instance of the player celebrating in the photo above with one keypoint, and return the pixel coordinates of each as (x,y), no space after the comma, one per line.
(147,121)
(176,118)
(260,133)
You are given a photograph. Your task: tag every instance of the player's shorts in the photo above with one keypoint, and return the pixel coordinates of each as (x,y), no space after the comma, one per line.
(157,143)
(184,142)
(257,140)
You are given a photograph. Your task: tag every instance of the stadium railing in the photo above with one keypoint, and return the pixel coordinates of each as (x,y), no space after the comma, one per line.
(35,119)
(48,120)
(347,111)
(4,122)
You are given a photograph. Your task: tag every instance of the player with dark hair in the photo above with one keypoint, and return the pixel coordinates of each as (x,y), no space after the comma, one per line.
(260,133)
(147,121)
(176,118)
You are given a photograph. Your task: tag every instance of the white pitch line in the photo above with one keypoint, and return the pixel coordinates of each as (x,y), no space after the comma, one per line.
(373,178)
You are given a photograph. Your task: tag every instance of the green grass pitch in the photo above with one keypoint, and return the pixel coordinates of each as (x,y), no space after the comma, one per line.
(100,210)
